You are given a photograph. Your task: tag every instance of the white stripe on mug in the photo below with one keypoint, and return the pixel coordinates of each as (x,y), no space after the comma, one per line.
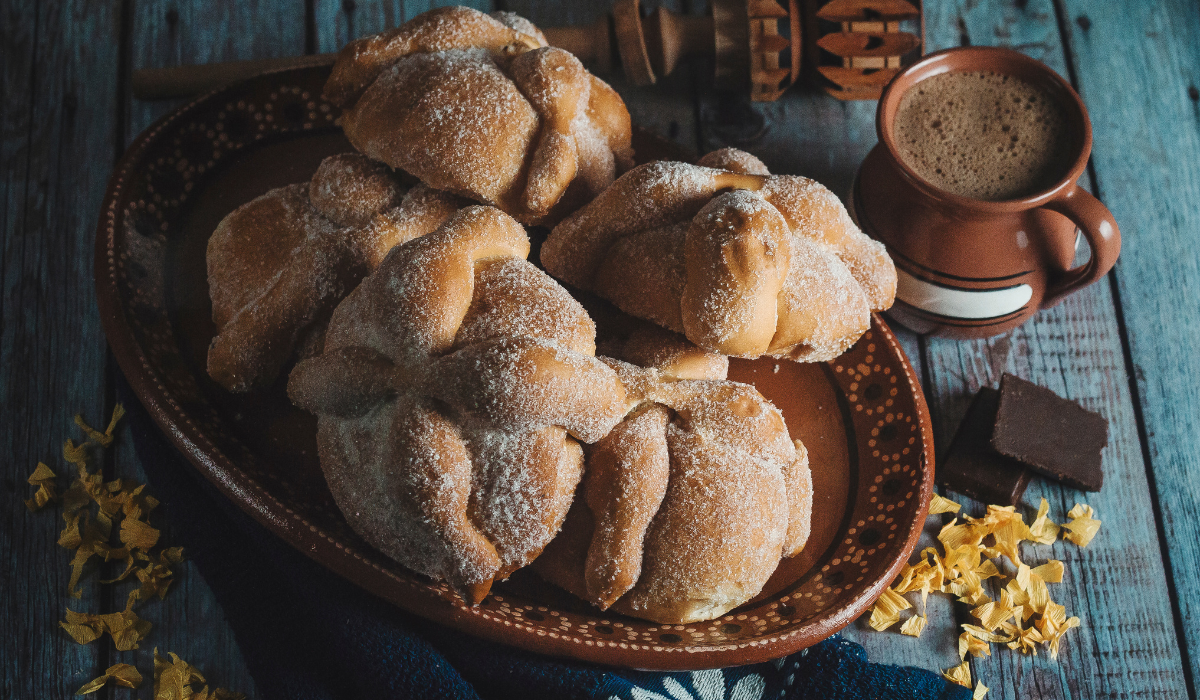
(960,303)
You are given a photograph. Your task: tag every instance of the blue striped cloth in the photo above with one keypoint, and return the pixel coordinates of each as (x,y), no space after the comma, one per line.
(307,634)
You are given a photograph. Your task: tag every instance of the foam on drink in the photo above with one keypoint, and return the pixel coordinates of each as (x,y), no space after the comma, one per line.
(983,135)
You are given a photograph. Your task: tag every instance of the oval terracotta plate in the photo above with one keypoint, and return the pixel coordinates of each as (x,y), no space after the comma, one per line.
(862,416)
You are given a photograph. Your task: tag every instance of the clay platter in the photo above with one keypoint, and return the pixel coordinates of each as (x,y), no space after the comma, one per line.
(863,416)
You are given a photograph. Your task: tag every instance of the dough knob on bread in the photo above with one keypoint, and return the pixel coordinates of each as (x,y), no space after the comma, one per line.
(738,250)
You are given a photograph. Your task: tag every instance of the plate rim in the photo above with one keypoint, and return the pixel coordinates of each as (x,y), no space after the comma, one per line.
(273,514)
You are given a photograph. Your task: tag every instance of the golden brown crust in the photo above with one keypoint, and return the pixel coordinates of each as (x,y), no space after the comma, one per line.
(479,106)
(690,501)
(450,409)
(735,161)
(279,264)
(350,190)
(655,258)
(717,538)
(626,481)
(441,29)
(672,354)
(436,116)
(798,480)
(732,298)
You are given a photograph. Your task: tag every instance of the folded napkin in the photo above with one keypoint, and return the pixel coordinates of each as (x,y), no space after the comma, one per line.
(307,634)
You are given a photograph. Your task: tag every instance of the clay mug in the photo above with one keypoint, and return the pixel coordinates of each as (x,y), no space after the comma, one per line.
(970,268)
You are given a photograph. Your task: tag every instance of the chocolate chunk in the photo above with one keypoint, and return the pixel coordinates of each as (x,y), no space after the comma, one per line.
(971,467)
(1053,436)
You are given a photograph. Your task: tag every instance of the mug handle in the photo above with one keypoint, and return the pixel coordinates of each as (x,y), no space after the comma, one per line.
(1099,228)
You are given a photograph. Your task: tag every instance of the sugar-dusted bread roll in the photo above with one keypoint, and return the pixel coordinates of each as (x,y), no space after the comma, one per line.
(688,505)
(278,265)
(742,262)
(479,105)
(455,387)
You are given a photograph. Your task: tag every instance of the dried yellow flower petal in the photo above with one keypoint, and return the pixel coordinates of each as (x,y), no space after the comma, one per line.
(992,614)
(960,674)
(138,503)
(123,675)
(1053,624)
(155,578)
(887,610)
(1043,530)
(74,499)
(83,631)
(913,626)
(125,627)
(1050,572)
(969,643)
(967,561)
(924,576)
(43,478)
(104,439)
(1083,526)
(138,534)
(173,681)
(1025,639)
(955,535)
(1008,534)
(985,635)
(980,691)
(940,504)
(76,454)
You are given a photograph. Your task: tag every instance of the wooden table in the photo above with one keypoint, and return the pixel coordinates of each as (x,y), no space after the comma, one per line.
(1127,347)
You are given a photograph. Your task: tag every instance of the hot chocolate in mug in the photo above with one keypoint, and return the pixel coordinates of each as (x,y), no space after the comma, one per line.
(972,258)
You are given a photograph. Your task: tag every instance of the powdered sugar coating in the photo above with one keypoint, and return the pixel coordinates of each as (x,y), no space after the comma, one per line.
(349,190)
(487,111)
(738,248)
(735,161)
(453,119)
(515,299)
(279,265)
(720,567)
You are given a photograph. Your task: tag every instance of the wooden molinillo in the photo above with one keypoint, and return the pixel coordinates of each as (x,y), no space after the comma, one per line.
(854,47)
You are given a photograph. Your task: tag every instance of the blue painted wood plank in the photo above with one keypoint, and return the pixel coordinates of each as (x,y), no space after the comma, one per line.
(1138,67)
(338,22)
(1127,646)
(189,621)
(60,73)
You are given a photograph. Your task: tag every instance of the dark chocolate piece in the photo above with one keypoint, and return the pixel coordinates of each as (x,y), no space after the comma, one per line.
(1053,436)
(971,467)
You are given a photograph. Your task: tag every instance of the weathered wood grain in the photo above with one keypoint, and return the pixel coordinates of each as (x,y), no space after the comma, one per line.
(189,621)
(1138,67)
(59,100)
(1127,645)
(337,21)
(190,31)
